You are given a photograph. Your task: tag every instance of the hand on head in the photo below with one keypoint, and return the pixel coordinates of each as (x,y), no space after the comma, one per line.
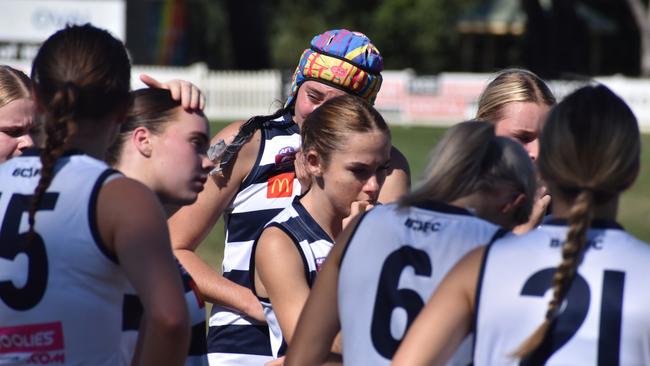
(189,94)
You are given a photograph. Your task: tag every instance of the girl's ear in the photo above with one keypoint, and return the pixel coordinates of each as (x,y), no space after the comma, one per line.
(141,139)
(313,163)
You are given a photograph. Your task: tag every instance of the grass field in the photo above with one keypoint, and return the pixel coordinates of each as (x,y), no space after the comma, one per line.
(416,142)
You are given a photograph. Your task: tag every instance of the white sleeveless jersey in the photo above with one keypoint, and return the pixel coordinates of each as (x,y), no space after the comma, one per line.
(270,187)
(391,266)
(61,297)
(132,312)
(313,244)
(604,320)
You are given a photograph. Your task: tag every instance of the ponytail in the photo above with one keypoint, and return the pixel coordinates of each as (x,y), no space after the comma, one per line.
(243,135)
(58,127)
(580,216)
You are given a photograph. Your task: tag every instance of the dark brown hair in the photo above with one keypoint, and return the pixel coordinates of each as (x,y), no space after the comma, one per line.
(81,74)
(153,109)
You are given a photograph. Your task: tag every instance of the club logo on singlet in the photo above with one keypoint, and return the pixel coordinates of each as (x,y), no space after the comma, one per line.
(280,185)
(35,344)
(285,157)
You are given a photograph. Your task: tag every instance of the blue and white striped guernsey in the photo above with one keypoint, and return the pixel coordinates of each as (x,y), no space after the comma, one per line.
(269,188)
(132,312)
(313,244)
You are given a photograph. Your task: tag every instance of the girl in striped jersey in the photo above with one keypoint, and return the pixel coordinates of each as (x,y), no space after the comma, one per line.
(387,263)
(257,180)
(346,148)
(597,313)
(164,146)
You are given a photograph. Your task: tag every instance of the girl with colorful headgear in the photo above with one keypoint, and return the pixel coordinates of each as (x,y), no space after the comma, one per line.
(256,179)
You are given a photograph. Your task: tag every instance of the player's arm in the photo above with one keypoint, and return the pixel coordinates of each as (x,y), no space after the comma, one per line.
(132,224)
(280,274)
(191,224)
(315,337)
(398,180)
(444,322)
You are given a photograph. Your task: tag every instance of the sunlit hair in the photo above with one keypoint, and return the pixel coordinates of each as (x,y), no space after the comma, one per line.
(590,153)
(470,158)
(512,85)
(14,84)
(326,129)
(81,74)
(153,109)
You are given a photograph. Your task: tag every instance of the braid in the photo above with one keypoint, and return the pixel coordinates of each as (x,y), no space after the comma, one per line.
(579,219)
(243,135)
(59,126)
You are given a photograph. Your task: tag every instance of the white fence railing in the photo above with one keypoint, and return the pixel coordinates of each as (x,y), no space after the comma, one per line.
(405,98)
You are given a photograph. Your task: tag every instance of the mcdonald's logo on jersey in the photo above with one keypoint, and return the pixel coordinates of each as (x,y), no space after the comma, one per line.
(280,185)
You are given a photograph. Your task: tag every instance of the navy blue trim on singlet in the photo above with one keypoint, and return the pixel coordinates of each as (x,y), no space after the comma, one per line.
(35,151)
(32,151)
(198,341)
(240,277)
(442,207)
(247,226)
(240,339)
(92,214)
(132,311)
(595,223)
(354,231)
(479,284)
(265,172)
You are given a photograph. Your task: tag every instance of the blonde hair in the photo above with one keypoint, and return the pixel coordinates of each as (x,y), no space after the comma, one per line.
(327,127)
(471,158)
(590,153)
(512,85)
(14,84)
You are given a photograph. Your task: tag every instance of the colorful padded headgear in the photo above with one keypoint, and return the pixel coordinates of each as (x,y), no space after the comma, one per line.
(342,59)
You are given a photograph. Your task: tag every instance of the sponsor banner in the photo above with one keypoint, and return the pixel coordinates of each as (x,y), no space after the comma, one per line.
(280,185)
(32,21)
(31,338)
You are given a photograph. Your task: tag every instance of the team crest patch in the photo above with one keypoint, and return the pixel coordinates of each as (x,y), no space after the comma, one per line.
(285,157)
(280,185)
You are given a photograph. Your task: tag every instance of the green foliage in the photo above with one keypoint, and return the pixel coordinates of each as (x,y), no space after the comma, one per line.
(418,34)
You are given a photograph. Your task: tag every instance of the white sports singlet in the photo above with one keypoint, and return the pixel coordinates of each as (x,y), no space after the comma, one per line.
(394,260)
(60,297)
(604,319)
